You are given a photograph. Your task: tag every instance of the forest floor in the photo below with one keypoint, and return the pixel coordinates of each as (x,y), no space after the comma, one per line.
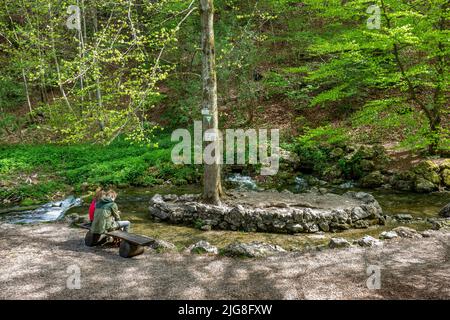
(35,261)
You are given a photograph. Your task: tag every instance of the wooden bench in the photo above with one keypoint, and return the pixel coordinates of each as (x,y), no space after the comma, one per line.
(130,244)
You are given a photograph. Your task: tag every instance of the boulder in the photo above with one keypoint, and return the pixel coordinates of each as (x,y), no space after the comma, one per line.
(405,232)
(403,185)
(358,213)
(445,165)
(206,227)
(368,241)
(203,247)
(338,243)
(438,223)
(426,166)
(427,233)
(403,180)
(445,211)
(429,171)
(170,197)
(445,174)
(361,224)
(387,235)
(156,199)
(424,186)
(373,180)
(252,250)
(295,228)
(162,245)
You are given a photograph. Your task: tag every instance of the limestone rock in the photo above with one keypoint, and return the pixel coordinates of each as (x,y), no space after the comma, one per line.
(361,224)
(203,247)
(367,165)
(445,164)
(387,235)
(373,180)
(162,245)
(405,232)
(429,171)
(446,177)
(252,250)
(338,243)
(368,241)
(206,227)
(424,186)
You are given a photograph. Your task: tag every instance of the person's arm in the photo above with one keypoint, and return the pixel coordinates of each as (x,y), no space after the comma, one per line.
(115,212)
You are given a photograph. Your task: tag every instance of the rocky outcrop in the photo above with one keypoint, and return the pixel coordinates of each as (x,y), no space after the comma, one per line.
(252,250)
(387,235)
(425,177)
(373,180)
(368,241)
(272,211)
(162,245)
(203,247)
(338,243)
(405,232)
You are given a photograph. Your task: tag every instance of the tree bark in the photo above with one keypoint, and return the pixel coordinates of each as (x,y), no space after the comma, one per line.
(212,187)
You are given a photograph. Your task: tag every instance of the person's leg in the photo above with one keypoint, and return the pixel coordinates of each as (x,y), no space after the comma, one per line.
(124,225)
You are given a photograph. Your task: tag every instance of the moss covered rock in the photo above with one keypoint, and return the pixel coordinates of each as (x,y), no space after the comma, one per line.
(445,165)
(429,171)
(423,185)
(373,180)
(446,177)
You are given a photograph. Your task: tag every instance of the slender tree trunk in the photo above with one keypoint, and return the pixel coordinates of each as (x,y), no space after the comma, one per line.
(25,82)
(97,81)
(212,187)
(55,56)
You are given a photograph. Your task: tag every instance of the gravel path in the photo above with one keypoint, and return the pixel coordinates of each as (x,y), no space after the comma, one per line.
(34,262)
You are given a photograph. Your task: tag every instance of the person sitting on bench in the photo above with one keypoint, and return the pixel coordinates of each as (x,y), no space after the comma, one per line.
(107,215)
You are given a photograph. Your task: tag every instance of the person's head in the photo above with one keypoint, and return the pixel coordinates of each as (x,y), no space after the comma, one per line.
(99,193)
(111,194)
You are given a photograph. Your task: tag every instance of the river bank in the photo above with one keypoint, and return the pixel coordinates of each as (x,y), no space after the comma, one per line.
(36,258)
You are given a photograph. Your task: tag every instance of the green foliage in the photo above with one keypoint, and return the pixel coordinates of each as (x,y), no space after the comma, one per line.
(323,136)
(118,164)
(399,63)
(11,94)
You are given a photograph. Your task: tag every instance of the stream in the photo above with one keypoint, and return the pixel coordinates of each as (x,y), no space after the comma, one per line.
(133,204)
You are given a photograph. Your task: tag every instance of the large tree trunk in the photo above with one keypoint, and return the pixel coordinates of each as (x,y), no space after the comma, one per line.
(211,183)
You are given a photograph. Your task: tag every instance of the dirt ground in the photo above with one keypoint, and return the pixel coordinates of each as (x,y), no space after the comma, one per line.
(34,264)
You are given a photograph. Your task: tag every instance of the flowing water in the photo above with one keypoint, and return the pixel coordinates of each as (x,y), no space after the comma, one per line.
(133,203)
